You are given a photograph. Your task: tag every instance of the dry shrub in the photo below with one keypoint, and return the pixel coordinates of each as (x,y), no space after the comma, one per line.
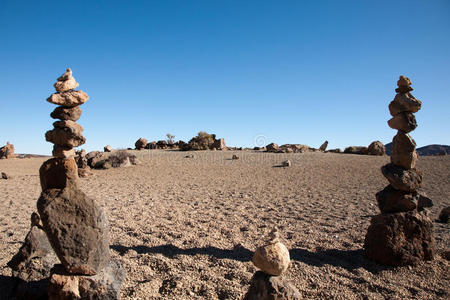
(119,157)
(203,141)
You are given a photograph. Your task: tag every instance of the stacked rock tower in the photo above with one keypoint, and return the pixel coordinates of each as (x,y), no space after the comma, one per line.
(76,227)
(402,233)
(273,260)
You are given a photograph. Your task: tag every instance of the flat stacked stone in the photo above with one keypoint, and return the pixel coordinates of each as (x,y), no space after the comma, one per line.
(402,233)
(273,260)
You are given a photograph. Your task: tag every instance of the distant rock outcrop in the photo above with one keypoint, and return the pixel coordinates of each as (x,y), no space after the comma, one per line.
(7,151)
(140,144)
(376,148)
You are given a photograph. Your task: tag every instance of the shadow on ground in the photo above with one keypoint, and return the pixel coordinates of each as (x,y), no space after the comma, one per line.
(347,259)
(238,253)
(15,288)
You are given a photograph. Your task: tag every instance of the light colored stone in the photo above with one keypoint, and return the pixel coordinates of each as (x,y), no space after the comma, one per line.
(69,99)
(66,76)
(66,85)
(272,258)
(63,152)
(66,133)
(107,148)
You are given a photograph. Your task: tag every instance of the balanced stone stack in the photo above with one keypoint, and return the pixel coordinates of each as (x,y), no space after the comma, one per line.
(273,260)
(76,227)
(402,233)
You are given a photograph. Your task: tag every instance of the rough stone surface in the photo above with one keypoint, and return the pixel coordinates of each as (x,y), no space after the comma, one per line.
(84,172)
(5,176)
(267,287)
(356,150)
(272,258)
(376,148)
(403,81)
(57,173)
(69,99)
(405,122)
(77,229)
(391,200)
(105,285)
(219,144)
(286,163)
(7,151)
(402,179)
(404,103)
(66,85)
(63,152)
(107,148)
(403,151)
(272,147)
(324,146)
(66,76)
(444,216)
(66,133)
(66,113)
(140,144)
(400,239)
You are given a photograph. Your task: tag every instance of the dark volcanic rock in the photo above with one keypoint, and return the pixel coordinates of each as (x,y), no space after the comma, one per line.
(57,173)
(402,179)
(267,287)
(105,285)
(391,200)
(400,239)
(140,144)
(66,113)
(444,216)
(77,229)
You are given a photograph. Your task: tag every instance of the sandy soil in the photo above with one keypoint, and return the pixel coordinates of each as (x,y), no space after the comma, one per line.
(186,228)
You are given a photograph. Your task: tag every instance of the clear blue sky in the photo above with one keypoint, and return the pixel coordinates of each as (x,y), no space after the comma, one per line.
(292,71)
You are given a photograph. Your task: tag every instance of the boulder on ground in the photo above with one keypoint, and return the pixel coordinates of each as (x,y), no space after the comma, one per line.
(286,163)
(324,146)
(376,148)
(219,144)
(7,151)
(356,150)
(337,150)
(77,229)
(58,173)
(5,176)
(104,285)
(234,157)
(107,148)
(140,144)
(444,216)
(272,147)
(267,287)
(400,239)
(402,179)
(151,145)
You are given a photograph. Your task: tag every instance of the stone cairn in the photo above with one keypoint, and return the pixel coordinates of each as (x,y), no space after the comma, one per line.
(75,226)
(402,233)
(273,260)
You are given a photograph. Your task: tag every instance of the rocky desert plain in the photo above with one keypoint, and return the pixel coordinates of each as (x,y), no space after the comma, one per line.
(186,226)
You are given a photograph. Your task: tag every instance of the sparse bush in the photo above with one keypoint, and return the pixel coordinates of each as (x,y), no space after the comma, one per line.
(119,157)
(170,139)
(203,141)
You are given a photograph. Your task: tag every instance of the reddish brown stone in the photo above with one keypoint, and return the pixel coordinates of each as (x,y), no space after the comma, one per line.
(402,179)
(391,200)
(57,173)
(400,239)
(403,121)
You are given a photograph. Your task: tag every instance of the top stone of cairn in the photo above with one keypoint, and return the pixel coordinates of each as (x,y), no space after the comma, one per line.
(66,82)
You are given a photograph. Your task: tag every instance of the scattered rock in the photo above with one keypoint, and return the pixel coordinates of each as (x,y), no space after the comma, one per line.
(66,113)
(402,179)
(376,148)
(5,176)
(219,144)
(107,148)
(444,216)
(324,146)
(7,151)
(77,229)
(266,287)
(356,150)
(140,144)
(272,147)
(234,157)
(400,239)
(286,163)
